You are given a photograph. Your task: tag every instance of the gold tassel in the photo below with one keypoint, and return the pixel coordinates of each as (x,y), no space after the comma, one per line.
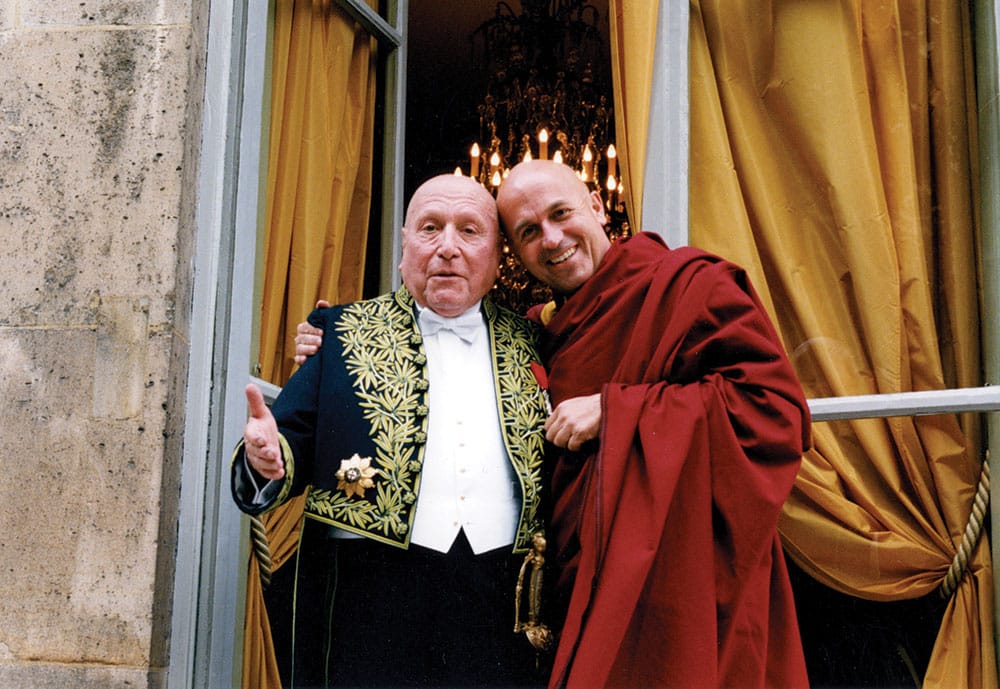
(538,633)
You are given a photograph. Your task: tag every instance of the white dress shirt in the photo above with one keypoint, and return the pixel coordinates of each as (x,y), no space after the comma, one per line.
(466,482)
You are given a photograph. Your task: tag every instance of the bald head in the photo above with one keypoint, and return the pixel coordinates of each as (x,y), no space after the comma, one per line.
(554,223)
(458,186)
(451,244)
(547,171)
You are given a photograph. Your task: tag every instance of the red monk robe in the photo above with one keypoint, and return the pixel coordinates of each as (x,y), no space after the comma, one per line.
(667,533)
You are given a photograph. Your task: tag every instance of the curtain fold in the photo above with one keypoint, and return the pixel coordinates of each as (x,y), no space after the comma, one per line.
(319,188)
(633,44)
(832,155)
(319,172)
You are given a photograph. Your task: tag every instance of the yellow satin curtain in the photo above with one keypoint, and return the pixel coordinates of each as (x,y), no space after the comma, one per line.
(260,668)
(319,182)
(633,36)
(833,155)
(319,188)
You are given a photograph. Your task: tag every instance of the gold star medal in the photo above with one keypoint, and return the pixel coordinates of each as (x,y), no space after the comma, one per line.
(355,475)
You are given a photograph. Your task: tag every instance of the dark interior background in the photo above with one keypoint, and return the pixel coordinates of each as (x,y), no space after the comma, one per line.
(443,86)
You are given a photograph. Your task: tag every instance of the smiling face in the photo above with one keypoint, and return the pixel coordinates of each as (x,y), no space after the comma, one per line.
(554,223)
(451,244)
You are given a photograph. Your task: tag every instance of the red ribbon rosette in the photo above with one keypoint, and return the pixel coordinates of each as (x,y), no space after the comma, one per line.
(543,382)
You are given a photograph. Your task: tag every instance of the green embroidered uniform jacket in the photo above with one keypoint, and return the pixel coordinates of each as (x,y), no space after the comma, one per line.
(365,393)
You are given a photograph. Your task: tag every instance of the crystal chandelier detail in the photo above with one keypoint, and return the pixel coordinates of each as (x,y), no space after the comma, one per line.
(547,92)
(547,96)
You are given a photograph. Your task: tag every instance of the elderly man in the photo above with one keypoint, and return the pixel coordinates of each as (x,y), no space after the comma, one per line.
(682,427)
(418,430)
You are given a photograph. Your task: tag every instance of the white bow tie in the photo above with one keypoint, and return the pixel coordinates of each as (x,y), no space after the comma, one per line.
(466,326)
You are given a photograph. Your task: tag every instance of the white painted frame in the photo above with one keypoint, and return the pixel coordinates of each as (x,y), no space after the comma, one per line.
(209,573)
(987,23)
(665,179)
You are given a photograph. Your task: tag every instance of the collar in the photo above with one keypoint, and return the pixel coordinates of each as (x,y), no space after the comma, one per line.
(466,325)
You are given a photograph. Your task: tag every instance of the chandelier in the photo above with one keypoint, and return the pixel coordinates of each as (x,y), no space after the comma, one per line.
(547,96)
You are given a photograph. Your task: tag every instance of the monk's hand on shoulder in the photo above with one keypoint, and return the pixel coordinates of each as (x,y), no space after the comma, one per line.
(574,422)
(260,437)
(308,338)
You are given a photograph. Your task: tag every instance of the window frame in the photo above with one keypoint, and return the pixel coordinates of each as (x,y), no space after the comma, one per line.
(987,26)
(209,581)
(206,618)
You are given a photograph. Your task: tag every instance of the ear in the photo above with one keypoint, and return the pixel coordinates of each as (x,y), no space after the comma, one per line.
(597,206)
(403,234)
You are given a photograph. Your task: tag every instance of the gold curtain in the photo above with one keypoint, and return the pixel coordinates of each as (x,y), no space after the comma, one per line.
(260,668)
(319,187)
(319,172)
(833,155)
(633,36)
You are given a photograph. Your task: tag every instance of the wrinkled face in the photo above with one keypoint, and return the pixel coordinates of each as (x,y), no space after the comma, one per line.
(554,223)
(451,244)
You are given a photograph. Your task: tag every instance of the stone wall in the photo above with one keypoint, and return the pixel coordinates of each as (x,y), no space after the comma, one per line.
(98,134)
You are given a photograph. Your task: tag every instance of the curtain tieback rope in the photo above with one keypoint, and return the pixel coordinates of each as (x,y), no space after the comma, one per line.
(261,549)
(973,531)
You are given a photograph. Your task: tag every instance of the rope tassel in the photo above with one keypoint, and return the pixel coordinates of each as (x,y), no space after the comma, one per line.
(261,549)
(973,531)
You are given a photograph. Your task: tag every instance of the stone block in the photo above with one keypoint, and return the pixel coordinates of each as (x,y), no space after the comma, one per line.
(81,510)
(95,13)
(61,676)
(120,357)
(91,151)
(6,15)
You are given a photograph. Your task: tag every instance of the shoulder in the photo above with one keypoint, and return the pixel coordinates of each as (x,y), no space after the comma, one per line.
(502,318)
(701,265)
(649,246)
(390,307)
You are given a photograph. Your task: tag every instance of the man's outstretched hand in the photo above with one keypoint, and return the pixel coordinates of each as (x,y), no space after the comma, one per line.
(260,437)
